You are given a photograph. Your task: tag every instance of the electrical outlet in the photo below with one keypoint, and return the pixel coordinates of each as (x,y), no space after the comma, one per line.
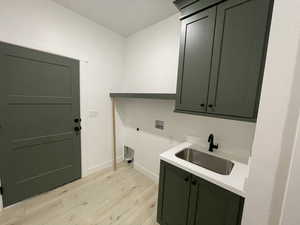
(159,124)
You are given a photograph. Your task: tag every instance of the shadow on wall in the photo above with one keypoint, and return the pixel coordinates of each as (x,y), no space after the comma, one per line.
(287,144)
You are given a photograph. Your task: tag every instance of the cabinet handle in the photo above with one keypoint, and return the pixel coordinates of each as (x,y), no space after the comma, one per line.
(202,105)
(186,179)
(194,182)
(210,105)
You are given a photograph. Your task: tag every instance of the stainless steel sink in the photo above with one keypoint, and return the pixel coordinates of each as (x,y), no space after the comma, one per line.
(213,163)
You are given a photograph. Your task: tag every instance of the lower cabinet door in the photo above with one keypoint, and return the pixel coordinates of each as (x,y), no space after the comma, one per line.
(213,205)
(174,194)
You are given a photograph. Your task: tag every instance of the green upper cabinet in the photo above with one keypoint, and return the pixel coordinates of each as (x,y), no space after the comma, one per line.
(195,61)
(238,57)
(222,57)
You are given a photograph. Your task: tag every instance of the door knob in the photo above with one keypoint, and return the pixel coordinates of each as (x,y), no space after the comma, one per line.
(77,120)
(77,129)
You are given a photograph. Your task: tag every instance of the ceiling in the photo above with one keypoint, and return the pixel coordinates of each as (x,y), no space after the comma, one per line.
(122,16)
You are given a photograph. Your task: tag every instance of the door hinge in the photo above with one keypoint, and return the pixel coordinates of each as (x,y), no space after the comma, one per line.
(1,190)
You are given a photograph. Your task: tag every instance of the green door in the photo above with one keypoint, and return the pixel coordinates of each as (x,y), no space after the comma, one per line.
(195,61)
(39,102)
(238,57)
(213,205)
(173,203)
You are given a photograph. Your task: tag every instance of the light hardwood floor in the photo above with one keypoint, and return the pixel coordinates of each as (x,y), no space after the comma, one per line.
(124,197)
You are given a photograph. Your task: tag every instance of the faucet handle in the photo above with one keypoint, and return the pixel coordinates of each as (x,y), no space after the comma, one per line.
(212,146)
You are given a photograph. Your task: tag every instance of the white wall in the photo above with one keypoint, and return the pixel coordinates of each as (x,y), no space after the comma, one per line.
(277,118)
(151,66)
(235,137)
(289,166)
(152,58)
(290,212)
(46,26)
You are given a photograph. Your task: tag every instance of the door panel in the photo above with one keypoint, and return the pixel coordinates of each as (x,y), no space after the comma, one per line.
(213,205)
(24,72)
(23,125)
(39,102)
(175,196)
(43,154)
(238,57)
(195,61)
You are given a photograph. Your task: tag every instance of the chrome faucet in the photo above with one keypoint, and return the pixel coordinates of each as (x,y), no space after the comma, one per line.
(212,146)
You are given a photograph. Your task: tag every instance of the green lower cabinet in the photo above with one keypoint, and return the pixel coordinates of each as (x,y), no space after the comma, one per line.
(173,207)
(185,199)
(213,205)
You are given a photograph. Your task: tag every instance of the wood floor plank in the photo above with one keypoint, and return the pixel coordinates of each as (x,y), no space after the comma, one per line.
(124,197)
(73,187)
(151,220)
(87,196)
(103,199)
(70,199)
(111,215)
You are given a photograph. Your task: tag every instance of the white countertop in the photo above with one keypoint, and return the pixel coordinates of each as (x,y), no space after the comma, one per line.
(234,182)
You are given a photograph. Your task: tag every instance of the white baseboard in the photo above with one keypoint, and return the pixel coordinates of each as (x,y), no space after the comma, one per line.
(146,172)
(100,167)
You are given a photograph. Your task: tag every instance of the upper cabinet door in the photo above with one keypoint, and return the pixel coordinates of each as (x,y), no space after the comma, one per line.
(195,61)
(238,57)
